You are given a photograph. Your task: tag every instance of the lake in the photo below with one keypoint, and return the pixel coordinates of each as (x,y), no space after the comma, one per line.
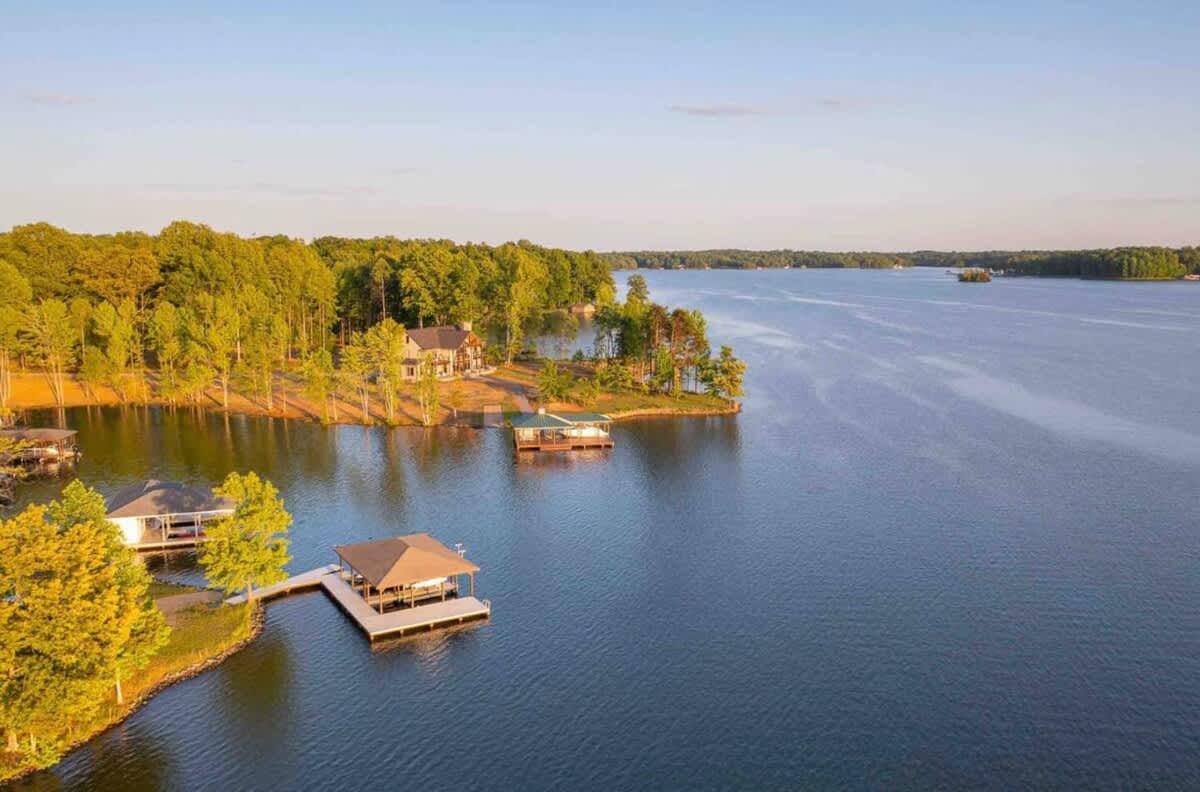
(952,541)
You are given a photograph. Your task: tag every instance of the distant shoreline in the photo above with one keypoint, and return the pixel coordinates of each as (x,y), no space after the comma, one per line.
(508,389)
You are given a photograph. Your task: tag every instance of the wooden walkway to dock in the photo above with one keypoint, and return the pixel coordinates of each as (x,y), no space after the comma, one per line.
(375,624)
(305,580)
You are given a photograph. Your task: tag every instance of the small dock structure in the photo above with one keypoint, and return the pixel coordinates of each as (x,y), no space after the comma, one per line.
(561,431)
(165,515)
(37,446)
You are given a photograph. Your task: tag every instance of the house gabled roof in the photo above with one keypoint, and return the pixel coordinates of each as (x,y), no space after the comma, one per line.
(444,337)
(159,498)
(404,560)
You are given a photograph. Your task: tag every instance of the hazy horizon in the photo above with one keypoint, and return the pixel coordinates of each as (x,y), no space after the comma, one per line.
(668,127)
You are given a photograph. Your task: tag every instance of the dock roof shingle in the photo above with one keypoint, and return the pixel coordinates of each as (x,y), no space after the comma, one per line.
(404,560)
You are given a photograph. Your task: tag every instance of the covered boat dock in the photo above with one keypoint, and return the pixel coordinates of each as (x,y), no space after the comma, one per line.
(561,431)
(404,583)
(41,446)
(160,515)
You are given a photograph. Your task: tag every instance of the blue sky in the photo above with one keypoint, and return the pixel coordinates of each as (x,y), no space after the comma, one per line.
(673,125)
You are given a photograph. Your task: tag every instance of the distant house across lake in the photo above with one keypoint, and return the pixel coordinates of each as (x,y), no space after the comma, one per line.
(40,445)
(456,350)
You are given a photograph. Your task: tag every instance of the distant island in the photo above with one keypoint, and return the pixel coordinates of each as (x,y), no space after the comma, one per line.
(1123,263)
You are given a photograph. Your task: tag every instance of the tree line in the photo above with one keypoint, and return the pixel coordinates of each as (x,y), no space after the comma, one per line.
(751,259)
(202,306)
(1119,263)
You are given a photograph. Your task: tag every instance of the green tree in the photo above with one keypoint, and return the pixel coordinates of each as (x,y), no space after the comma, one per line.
(319,379)
(52,338)
(356,371)
(614,375)
(74,620)
(214,330)
(15,297)
(427,390)
(554,384)
(165,333)
(385,343)
(136,629)
(723,376)
(250,547)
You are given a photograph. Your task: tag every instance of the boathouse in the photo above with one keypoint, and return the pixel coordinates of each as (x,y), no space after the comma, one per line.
(403,583)
(561,431)
(456,351)
(41,446)
(165,514)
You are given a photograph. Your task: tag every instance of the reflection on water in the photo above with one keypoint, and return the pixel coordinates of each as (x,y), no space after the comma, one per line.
(874,576)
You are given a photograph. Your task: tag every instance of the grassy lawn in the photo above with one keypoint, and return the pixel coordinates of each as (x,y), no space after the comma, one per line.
(157,589)
(620,402)
(199,633)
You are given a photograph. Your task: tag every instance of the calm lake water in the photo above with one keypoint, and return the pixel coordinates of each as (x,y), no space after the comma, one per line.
(953,541)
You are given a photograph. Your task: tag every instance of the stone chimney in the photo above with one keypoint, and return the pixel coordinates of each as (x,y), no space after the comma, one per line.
(464,326)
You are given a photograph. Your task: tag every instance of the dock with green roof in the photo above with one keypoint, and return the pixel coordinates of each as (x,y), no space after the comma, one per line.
(561,431)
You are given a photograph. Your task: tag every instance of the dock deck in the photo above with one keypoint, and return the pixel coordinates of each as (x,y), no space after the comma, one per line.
(575,444)
(398,622)
(171,543)
(371,621)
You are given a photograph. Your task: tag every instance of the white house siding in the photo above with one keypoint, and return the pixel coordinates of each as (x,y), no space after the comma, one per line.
(131,529)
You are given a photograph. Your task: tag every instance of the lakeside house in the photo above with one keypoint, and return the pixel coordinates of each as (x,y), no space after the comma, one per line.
(165,514)
(42,446)
(583,309)
(561,431)
(456,350)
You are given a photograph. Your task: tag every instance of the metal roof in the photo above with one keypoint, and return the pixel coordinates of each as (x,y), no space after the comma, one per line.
(540,421)
(584,417)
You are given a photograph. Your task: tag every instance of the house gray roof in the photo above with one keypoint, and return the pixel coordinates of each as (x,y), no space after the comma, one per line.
(444,337)
(157,498)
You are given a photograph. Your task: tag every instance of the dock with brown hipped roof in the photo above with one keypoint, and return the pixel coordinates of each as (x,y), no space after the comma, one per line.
(394,586)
